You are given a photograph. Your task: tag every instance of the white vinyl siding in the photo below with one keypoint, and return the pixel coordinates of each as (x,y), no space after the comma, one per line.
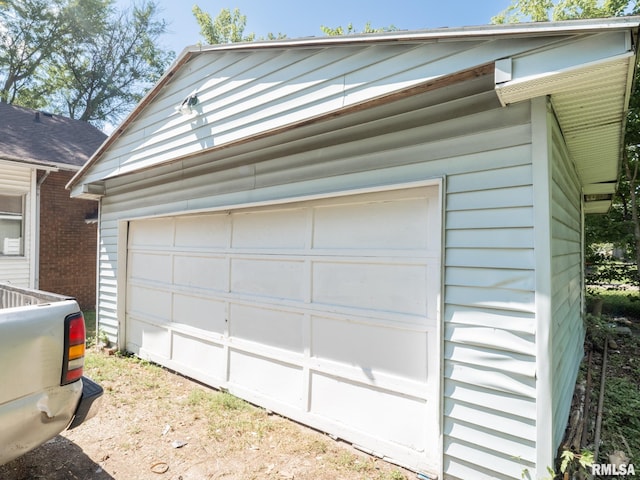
(246,93)
(489,397)
(567,328)
(18,180)
(484,151)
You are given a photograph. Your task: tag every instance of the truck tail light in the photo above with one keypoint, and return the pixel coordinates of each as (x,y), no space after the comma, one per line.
(74,342)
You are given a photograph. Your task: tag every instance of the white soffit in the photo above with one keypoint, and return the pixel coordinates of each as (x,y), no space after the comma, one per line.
(600,188)
(590,101)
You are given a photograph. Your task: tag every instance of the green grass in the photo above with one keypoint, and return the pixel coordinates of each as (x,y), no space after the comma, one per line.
(90,324)
(621,420)
(216,401)
(617,303)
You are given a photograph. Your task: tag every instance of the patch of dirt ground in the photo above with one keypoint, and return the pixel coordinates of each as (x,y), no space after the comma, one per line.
(153,424)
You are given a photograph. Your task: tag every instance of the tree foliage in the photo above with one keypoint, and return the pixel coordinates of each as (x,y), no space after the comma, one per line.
(81,58)
(350,30)
(108,72)
(620,227)
(227,27)
(31,31)
(546,10)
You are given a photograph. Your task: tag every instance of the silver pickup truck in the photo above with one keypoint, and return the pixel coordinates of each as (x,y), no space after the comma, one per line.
(42,387)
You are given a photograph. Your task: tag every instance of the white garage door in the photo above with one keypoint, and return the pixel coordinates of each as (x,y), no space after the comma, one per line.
(324,310)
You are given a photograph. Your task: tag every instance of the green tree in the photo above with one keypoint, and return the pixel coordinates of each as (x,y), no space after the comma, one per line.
(621,225)
(227,27)
(31,31)
(350,30)
(628,194)
(545,10)
(106,71)
(81,58)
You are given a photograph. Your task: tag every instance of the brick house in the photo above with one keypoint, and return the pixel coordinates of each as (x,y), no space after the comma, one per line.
(47,240)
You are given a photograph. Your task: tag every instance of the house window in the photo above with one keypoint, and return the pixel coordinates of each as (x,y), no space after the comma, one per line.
(11,224)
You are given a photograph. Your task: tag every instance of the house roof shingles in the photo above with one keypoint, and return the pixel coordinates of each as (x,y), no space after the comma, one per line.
(31,136)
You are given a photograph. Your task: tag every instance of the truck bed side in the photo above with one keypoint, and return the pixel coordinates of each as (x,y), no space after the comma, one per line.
(34,407)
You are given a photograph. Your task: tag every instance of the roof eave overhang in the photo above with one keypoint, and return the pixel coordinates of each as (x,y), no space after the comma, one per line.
(468,33)
(590,100)
(37,164)
(322,122)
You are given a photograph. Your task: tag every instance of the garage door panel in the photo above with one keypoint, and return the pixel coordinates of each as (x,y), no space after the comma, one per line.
(378,413)
(267,377)
(203,358)
(323,310)
(205,272)
(205,314)
(149,302)
(278,278)
(155,267)
(283,228)
(373,286)
(276,328)
(154,232)
(145,337)
(358,226)
(386,350)
(202,231)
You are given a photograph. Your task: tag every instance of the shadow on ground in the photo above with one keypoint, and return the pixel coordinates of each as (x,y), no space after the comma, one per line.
(58,459)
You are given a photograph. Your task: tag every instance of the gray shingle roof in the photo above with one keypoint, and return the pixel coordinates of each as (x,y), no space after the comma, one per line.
(36,137)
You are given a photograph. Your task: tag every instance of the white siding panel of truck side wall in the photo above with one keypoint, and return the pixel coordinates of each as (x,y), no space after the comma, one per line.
(16,179)
(323,310)
(567,328)
(484,151)
(243,93)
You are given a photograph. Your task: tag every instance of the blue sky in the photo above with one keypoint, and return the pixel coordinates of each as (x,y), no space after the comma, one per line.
(299,18)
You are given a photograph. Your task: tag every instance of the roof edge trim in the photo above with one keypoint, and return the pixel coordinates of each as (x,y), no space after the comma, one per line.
(40,165)
(546,84)
(445,33)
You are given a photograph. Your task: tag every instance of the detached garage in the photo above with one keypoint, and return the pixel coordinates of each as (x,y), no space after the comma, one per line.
(377,235)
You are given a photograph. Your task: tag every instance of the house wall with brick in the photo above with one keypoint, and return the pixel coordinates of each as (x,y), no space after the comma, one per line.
(67,241)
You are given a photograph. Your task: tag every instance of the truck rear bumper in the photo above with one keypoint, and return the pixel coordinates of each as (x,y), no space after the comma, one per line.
(32,420)
(89,402)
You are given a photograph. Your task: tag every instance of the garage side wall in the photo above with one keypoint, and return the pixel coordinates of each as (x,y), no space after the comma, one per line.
(567,328)
(489,321)
(484,152)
